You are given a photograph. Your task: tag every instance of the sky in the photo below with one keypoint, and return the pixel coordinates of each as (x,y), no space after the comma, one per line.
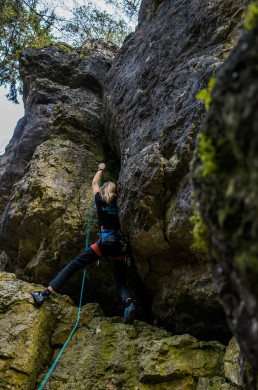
(10,112)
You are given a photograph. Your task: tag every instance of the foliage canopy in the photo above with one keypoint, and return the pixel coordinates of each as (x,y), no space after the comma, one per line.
(128,7)
(89,22)
(36,23)
(22,24)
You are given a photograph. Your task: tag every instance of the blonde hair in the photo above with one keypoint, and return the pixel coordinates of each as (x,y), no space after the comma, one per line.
(108,191)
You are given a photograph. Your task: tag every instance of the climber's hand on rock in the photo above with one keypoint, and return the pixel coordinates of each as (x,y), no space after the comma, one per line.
(102,166)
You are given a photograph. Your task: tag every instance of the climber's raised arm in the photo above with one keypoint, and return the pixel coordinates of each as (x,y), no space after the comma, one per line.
(95,181)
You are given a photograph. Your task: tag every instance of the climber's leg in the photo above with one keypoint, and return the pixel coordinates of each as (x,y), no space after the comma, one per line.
(120,273)
(81,261)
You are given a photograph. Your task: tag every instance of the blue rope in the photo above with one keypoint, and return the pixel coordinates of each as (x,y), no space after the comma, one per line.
(79,310)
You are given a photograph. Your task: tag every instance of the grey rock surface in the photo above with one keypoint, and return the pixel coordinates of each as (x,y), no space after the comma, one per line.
(103,353)
(231,363)
(228,193)
(153,117)
(43,225)
(151,120)
(51,76)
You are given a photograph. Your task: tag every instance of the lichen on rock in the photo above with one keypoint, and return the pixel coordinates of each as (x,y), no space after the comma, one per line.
(25,334)
(102,354)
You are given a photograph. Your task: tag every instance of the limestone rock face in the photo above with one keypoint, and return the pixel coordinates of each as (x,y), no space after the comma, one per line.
(26,331)
(231,363)
(147,10)
(153,117)
(28,134)
(25,334)
(228,192)
(102,353)
(52,77)
(43,225)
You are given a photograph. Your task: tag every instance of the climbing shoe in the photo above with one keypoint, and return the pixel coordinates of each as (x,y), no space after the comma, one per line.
(40,296)
(129,312)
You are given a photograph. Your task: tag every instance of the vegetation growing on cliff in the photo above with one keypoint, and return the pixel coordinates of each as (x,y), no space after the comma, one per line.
(38,24)
(89,22)
(251,18)
(207,154)
(128,7)
(205,94)
(199,232)
(21,25)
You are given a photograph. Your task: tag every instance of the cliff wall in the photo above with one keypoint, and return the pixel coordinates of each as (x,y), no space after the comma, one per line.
(153,118)
(49,165)
(141,116)
(228,192)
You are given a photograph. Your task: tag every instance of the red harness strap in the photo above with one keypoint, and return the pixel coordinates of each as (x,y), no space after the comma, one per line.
(119,258)
(96,249)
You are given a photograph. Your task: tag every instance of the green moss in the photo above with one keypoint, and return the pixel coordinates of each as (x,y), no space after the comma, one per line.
(86,51)
(62,45)
(205,94)
(199,231)
(251,17)
(41,42)
(207,154)
(108,351)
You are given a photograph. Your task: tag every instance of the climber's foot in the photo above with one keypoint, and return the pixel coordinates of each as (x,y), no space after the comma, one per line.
(129,313)
(39,297)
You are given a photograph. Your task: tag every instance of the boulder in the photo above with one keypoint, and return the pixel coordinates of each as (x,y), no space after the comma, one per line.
(103,353)
(215,383)
(231,363)
(25,334)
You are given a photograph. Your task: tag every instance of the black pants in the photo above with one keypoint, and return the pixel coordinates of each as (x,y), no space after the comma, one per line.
(89,256)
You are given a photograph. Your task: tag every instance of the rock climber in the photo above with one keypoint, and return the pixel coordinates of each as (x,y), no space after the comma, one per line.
(109,245)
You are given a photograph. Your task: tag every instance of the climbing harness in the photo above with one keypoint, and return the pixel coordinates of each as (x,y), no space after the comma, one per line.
(109,237)
(79,310)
